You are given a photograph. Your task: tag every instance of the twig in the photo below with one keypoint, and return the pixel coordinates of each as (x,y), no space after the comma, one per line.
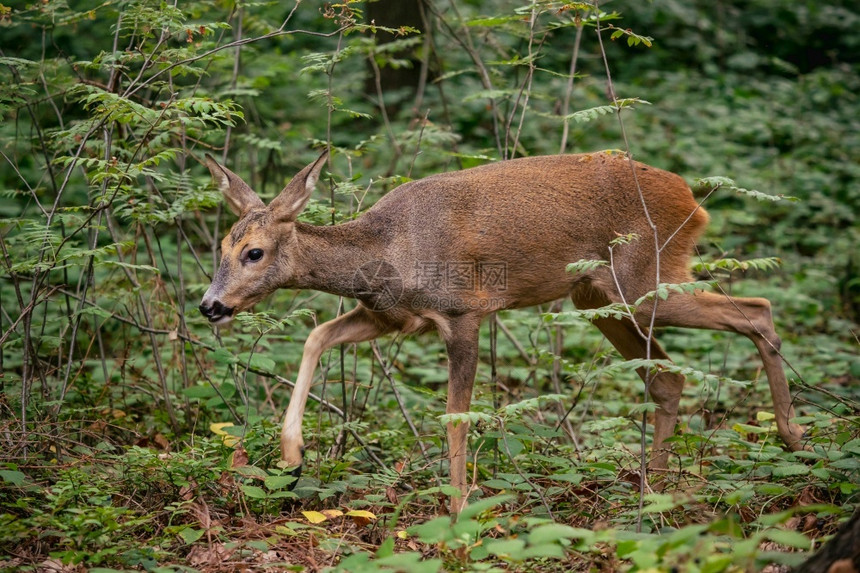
(649,340)
(418,144)
(399,399)
(569,90)
(517,344)
(520,471)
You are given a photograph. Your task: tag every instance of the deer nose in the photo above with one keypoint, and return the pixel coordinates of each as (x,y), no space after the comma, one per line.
(215,311)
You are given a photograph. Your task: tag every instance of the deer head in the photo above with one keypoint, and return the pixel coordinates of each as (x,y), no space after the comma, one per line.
(257,254)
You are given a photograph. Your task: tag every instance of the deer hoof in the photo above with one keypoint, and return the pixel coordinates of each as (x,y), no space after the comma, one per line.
(296,470)
(796,437)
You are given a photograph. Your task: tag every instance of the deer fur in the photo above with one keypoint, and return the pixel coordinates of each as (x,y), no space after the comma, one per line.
(526,218)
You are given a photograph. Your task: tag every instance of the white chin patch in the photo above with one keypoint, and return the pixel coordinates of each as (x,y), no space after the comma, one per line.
(222,320)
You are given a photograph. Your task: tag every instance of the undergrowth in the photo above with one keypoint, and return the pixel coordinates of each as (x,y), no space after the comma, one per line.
(134,436)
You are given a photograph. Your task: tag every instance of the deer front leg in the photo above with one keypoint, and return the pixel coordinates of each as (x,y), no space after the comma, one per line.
(357,325)
(461,339)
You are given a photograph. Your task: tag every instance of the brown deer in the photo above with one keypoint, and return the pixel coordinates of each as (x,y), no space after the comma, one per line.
(443,252)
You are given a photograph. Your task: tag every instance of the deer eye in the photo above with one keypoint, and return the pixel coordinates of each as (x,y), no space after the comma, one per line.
(255,254)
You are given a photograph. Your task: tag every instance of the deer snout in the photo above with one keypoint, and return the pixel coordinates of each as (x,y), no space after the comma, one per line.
(216,312)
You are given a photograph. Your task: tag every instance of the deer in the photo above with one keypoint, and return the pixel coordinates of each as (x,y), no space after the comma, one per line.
(442,253)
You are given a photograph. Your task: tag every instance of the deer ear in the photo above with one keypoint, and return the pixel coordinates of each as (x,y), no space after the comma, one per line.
(290,202)
(240,198)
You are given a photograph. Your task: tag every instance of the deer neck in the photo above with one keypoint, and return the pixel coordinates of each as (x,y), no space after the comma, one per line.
(329,256)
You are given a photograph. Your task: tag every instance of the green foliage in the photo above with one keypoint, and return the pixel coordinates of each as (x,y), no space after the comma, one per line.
(633,39)
(136,436)
(585,265)
(729,264)
(711,184)
(594,113)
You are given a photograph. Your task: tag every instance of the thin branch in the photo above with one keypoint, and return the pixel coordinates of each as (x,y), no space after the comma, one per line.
(418,144)
(387,373)
(649,340)
(565,107)
(536,489)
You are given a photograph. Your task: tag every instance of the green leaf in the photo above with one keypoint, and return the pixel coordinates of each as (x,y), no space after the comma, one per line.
(553,532)
(279,482)
(788,538)
(480,506)
(531,404)
(497,484)
(190,535)
(512,446)
(820,473)
(257,361)
(433,531)
(17,62)
(847,463)
(506,547)
(200,392)
(771,489)
(785,470)
(254,492)
(544,551)
(574,478)
(224,356)
(717,563)
(492,22)
(411,562)
(13,476)
(660,502)
(386,548)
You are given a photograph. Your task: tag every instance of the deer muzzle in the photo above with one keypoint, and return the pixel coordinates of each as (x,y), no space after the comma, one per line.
(216,312)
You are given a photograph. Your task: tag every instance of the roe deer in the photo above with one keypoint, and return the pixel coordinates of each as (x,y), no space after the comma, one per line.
(442,252)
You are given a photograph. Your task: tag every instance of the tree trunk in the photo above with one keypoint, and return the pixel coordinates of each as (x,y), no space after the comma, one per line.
(839,555)
(402,81)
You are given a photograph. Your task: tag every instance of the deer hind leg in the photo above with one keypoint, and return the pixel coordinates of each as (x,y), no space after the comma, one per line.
(664,387)
(356,325)
(750,317)
(461,341)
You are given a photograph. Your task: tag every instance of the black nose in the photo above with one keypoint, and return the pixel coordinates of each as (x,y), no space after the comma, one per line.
(214,311)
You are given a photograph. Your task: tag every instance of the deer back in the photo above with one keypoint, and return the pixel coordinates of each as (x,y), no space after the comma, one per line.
(529,218)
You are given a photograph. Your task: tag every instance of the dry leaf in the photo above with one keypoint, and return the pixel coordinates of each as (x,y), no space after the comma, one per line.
(391,494)
(161,442)
(361,517)
(314,516)
(238,458)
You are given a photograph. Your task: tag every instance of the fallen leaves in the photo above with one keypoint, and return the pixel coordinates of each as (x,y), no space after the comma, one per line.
(359,516)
